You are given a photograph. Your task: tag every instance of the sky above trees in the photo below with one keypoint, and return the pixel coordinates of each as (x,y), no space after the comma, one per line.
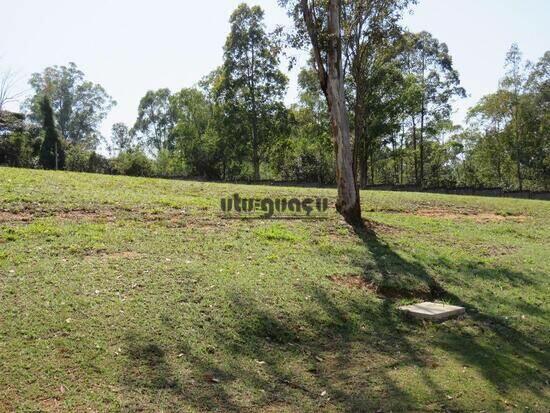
(130,47)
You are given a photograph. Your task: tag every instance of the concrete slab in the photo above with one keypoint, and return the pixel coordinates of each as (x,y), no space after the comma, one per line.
(432,311)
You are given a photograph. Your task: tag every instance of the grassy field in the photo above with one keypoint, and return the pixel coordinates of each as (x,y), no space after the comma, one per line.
(134,294)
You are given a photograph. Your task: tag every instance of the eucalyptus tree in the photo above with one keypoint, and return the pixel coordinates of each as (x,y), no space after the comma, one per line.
(488,147)
(527,87)
(155,121)
(196,134)
(79,105)
(252,86)
(370,30)
(510,142)
(537,119)
(430,62)
(121,138)
(319,24)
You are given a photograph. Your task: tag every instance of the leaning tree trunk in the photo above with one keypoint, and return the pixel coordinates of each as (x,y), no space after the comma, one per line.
(332,84)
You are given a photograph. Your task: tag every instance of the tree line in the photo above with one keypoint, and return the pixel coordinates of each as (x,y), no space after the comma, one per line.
(374,107)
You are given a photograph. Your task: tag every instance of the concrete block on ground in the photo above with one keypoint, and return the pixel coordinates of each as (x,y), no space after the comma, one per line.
(432,311)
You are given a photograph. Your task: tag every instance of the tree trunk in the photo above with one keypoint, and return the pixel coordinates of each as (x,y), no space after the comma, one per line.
(422,114)
(255,140)
(372,168)
(416,181)
(394,158)
(520,177)
(361,145)
(255,157)
(401,152)
(332,84)
(518,151)
(363,161)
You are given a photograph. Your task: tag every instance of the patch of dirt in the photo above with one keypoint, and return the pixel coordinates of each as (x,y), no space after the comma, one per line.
(127,255)
(360,282)
(478,216)
(83,214)
(379,227)
(353,281)
(420,294)
(51,405)
(28,215)
(6,216)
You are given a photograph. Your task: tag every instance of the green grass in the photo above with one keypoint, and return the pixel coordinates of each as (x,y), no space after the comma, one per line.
(134,294)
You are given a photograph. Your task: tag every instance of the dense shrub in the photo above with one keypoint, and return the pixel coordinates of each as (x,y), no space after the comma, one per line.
(133,162)
(77,159)
(169,164)
(17,149)
(98,163)
(81,160)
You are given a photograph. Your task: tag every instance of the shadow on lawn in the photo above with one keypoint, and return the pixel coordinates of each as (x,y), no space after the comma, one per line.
(265,358)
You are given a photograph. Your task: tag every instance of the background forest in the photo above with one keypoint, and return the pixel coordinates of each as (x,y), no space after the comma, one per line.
(234,124)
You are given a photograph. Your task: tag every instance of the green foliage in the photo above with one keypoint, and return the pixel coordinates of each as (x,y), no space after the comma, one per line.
(508,144)
(196,134)
(170,164)
(18,149)
(52,152)
(121,138)
(250,87)
(234,125)
(306,155)
(78,104)
(155,121)
(77,158)
(80,159)
(133,162)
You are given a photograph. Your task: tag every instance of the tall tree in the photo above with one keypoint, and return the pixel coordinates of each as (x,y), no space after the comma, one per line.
(196,137)
(319,24)
(370,28)
(155,120)
(431,63)
(488,148)
(508,143)
(513,82)
(252,85)
(121,139)
(8,82)
(52,155)
(537,121)
(78,104)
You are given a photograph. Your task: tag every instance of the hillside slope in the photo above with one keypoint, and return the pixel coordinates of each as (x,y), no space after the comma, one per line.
(137,294)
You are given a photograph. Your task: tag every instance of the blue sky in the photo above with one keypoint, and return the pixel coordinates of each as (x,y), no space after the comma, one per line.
(131,46)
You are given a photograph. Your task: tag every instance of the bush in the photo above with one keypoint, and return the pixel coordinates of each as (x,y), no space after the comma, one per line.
(98,164)
(17,149)
(81,160)
(169,164)
(133,162)
(77,159)
(299,160)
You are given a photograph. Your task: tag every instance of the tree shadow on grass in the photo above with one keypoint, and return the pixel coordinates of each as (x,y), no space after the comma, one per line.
(505,356)
(337,351)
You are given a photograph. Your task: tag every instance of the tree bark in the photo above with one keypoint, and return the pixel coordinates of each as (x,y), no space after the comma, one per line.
(363,161)
(255,140)
(416,181)
(421,143)
(332,83)
(360,143)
